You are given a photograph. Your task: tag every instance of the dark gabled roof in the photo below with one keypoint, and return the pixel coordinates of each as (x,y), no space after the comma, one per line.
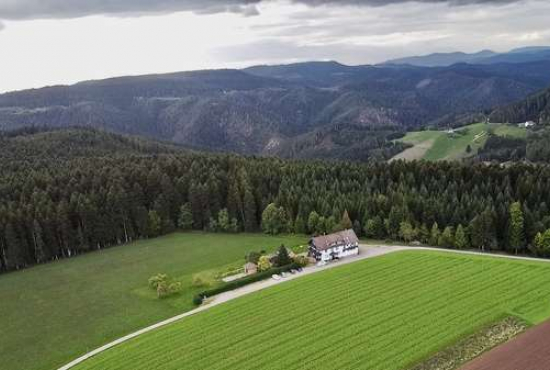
(325,242)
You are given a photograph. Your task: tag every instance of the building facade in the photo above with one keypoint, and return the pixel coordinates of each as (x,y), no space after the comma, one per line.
(334,246)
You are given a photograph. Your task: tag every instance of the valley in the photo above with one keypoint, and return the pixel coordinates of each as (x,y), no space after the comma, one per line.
(316,110)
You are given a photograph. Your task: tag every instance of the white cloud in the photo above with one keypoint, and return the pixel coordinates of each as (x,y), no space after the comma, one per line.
(281,31)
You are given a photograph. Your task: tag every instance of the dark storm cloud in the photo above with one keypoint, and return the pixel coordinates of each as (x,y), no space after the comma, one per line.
(32,9)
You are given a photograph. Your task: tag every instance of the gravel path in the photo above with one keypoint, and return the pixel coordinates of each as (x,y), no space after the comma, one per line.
(365,253)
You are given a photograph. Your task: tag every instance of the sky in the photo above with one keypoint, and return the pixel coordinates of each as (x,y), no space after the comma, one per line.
(50,42)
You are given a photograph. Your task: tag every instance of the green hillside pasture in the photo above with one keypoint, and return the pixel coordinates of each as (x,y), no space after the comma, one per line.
(453,146)
(510,130)
(52,313)
(440,145)
(385,313)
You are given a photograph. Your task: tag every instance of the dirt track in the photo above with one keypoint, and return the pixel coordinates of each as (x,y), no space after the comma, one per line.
(529,351)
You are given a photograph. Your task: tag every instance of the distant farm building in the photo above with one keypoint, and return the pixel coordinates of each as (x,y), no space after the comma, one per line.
(527,124)
(334,246)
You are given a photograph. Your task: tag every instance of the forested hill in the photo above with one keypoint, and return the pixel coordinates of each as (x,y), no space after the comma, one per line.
(307,110)
(534,108)
(42,144)
(52,209)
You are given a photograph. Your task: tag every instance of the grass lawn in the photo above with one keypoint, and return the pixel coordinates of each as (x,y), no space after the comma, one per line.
(51,314)
(439,145)
(511,130)
(385,313)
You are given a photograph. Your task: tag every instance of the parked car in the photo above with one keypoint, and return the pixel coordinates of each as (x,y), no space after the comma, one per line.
(321,263)
(275,277)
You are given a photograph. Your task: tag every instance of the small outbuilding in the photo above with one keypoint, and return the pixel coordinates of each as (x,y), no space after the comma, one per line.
(250,268)
(334,246)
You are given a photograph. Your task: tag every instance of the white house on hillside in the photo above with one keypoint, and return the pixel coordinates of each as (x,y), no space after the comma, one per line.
(334,246)
(527,124)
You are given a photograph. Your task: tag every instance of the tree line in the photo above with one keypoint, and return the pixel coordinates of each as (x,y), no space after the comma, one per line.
(59,208)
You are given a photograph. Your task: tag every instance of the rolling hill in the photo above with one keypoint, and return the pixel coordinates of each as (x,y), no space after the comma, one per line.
(35,143)
(308,110)
(520,55)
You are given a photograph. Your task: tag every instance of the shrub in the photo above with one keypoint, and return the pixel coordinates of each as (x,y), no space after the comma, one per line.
(264,263)
(154,281)
(301,261)
(232,285)
(203,280)
(164,285)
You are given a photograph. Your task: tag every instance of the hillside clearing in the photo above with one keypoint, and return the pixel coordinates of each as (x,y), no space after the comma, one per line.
(440,145)
(373,313)
(53,313)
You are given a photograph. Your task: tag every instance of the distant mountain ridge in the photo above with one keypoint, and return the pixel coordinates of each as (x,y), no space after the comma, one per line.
(520,55)
(305,110)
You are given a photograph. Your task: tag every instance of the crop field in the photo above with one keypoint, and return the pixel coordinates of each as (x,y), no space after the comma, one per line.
(385,313)
(439,145)
(52,313)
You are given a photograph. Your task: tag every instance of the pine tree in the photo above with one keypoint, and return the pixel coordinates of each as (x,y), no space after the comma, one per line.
(13,257)
(39,245)
(313,223)
(483,233)
(274,219)
(393,223)
(345,222)
(516,230)
(424,234)
(299,225)
(461,241)
(407,232)
(283,259)
(185,219)
(224,223)
(434,235)
(374,228)
(446,238)
(154,225)
(251,223)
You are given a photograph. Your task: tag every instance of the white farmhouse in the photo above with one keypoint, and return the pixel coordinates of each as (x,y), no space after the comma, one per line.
(334,246)
(527,124)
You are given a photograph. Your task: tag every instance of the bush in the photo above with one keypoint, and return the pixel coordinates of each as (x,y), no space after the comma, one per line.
(203,280)
(158,279)
(232,285)
(164,285)
(301,261)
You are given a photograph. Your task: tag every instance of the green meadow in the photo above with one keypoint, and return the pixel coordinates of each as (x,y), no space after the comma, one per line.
(435,145)
(53,313)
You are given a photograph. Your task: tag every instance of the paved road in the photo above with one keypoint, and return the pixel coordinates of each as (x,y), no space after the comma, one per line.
(365,253)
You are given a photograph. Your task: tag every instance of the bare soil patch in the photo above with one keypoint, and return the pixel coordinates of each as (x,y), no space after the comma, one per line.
(529,351)
(416,152)
(467,349)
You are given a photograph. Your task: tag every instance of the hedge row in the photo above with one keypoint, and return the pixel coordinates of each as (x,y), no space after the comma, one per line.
(232,285)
